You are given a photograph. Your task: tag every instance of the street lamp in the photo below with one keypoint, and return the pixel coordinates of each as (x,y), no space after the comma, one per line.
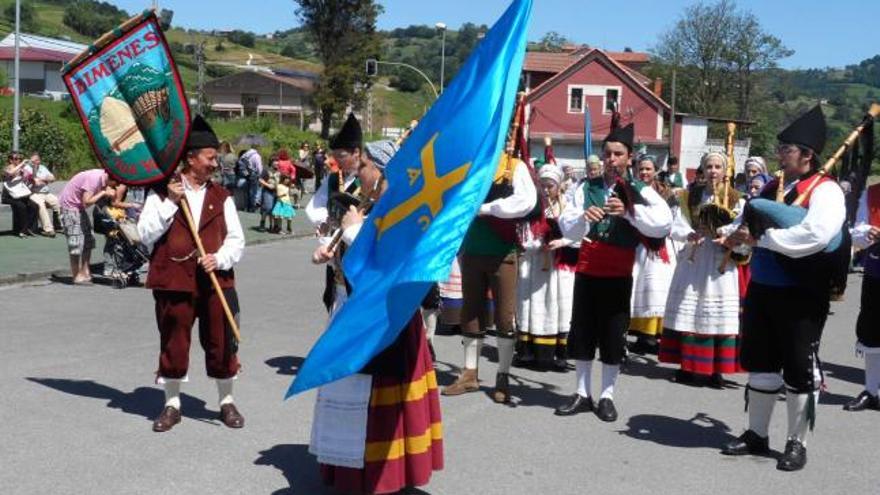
(442,28)
(16,106)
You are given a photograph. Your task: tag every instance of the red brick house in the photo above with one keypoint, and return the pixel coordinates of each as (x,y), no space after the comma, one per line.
(560,86)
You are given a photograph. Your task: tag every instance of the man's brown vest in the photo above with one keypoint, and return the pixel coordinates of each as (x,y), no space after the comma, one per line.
(174,265)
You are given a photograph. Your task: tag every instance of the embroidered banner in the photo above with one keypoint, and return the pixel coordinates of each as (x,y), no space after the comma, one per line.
(131,101)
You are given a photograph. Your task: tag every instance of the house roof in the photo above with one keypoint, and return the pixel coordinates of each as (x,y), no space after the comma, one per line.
(40,48)
(637,80)
(557,61)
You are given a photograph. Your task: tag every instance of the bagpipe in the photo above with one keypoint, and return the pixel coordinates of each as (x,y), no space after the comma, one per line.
(762,214)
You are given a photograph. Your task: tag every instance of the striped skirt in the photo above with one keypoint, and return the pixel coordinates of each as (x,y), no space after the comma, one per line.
(404,431)
(700,354)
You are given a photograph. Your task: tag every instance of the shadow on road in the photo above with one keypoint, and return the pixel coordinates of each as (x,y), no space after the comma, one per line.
(701,431)
(844,373)
(143,401)
(302,472)
(298,466)
(286,365)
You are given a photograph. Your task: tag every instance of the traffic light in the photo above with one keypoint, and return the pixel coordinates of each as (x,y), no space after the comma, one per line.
(372,67)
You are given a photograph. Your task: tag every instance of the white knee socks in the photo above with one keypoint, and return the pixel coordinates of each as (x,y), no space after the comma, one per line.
(798,422)
(472,348)
(761,406)
(505,353)
(583,370)
(872,373)
(172,393)
(224,391)
(609,377)
(431,316)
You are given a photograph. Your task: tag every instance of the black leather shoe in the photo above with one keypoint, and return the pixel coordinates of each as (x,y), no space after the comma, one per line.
(577,404)
(682,376)
(794,458)
(559,365)
(864,401)
(749,443)
(605,410)
(716,381)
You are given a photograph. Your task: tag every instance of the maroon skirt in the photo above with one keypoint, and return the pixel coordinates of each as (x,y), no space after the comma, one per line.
(404,430)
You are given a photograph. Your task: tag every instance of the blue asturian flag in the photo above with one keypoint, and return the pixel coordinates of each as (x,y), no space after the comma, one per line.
(436,183)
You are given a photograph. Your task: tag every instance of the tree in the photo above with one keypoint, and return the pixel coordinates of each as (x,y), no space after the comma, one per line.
(752,50)
(553,42)
(92,18)
(27,15)
(243,38)
(344,32)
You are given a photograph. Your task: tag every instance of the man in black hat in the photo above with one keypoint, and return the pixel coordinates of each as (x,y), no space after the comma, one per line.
(333,199)
(179,277)
(788,296)
(609,216)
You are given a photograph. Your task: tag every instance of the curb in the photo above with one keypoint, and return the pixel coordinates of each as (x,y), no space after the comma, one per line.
(24,278)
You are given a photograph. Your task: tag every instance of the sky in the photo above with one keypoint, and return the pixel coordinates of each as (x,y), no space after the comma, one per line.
(822,33)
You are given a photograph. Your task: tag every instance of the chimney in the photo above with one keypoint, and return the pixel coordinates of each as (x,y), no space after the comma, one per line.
(658,87)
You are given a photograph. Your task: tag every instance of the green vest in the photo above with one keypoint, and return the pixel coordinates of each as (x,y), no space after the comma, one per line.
(481,240)
(614,230)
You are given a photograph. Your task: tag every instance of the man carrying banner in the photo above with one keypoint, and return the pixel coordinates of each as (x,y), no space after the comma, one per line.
(609,215)
(179,277)
(489,261)
(379,430)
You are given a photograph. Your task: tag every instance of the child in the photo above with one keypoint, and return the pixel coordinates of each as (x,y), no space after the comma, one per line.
(283,207)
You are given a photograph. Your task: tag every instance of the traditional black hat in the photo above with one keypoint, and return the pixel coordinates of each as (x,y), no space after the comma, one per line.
(623,135)
(201,135)
(807,130)
(350,136)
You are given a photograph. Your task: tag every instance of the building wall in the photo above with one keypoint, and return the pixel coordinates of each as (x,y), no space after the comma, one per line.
(550,112)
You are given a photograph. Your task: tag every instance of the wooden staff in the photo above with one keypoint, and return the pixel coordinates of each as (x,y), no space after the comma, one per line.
(230,318)
(873,113)
(728,177)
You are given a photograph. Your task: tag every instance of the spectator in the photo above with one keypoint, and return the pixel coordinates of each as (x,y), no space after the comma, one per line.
(677,178)
(253,164)
(268,182)
(304,152)
(227,160)
(82,191)
(283,209)
(39,177)
(320,161)
(16,194)
(284,165)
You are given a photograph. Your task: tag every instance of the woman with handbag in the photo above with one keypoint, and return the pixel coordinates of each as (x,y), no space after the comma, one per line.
(15,194)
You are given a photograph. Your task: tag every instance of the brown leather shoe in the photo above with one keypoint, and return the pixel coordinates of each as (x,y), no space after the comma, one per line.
(467,382)
(170,416)
(230,416)
(501,394)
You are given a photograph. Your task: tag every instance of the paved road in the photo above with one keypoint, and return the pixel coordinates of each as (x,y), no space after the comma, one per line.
(77,398)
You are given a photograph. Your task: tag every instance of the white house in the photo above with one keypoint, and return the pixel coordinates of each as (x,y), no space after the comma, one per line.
(41,59)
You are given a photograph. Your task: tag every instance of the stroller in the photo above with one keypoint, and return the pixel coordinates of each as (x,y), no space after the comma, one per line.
(124,255)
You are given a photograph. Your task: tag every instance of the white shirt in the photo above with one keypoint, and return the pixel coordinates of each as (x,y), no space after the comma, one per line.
(860,231)
(653,219)
(823,222)
(316,210)
(518,204)
(158,214)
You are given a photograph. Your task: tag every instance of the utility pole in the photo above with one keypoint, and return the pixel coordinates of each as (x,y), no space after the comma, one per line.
(16,108)
(200,85)
(280,102)
(370,111)
(442,27)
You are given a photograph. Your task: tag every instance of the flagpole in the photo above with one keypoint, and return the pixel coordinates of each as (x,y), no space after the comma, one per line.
(16,107)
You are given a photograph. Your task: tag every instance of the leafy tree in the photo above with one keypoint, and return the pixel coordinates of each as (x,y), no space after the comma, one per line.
(243,38)
(553,42)
(344,32)
(27,15)
(92,18)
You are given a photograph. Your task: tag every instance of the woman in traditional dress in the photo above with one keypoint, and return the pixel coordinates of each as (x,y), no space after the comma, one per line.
(702,312)
(379,431)
(546,284)
(652,274)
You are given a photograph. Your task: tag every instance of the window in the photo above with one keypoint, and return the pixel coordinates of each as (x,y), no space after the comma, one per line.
(612,100)
(575,100)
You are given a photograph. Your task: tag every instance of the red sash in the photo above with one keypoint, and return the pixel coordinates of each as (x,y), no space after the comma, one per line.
(600,259)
